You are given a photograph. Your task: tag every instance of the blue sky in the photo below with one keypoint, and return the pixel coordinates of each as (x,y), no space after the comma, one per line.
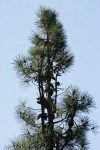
(81,20)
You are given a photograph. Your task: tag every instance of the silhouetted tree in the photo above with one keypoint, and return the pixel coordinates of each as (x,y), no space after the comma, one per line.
(58,126)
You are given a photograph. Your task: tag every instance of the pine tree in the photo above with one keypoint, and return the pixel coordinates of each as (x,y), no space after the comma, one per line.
(56,125)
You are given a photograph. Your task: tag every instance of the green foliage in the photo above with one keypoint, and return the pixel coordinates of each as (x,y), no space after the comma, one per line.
(26,114)
(83,102)
(54,126)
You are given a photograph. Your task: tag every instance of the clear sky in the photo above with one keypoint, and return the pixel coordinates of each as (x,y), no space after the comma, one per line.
(81,20)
